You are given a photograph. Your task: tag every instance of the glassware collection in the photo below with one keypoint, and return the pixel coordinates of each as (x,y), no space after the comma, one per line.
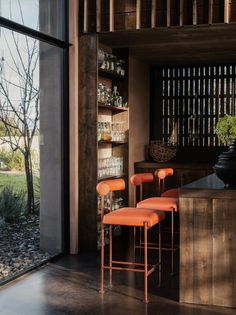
(118,202)
(112,64)
(109,97)
(111,131)
(109,167)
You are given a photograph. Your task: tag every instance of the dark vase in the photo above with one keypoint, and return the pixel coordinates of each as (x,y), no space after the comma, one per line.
(225,168)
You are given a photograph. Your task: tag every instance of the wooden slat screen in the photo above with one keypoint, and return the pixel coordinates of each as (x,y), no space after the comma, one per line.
(110,15)
(192,100)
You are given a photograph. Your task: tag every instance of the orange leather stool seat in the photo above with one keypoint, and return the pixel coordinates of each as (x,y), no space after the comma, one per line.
(160,203)
(128,216)
(173,193)
(134,217)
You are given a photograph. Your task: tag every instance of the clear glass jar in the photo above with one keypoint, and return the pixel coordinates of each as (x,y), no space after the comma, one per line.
(109,97)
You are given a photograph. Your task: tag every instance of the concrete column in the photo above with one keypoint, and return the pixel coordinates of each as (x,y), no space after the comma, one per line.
(51,102)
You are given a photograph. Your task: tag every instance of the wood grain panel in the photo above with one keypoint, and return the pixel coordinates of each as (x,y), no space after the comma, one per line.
(88,142)
(202,251)
(74,126)
(186,250)
(224,247)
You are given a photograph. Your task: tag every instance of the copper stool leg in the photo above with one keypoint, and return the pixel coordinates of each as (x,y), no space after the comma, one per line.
(134,235)
(172,242)
(102,260)
(159,262)
(110,255)
(145,265)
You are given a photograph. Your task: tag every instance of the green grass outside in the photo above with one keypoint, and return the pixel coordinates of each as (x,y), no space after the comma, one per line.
(17,181)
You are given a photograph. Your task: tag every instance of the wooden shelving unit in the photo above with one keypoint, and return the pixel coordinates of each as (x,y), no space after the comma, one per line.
(114,115)
(90,149)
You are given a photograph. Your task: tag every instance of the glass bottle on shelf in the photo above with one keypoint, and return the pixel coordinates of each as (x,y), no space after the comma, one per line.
(108,97)
(99,92)
(99,135)
(115,96)
(102,94)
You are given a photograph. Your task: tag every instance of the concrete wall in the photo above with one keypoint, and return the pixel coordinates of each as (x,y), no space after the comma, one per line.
(50,149)
(51,129)
(138,114)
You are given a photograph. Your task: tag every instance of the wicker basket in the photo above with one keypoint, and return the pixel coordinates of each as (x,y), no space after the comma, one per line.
(162,152)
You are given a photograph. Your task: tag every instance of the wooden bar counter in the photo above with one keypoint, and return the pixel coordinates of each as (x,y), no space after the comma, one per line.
(208,243)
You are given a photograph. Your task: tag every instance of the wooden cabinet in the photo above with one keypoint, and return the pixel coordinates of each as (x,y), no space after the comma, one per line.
(103,138)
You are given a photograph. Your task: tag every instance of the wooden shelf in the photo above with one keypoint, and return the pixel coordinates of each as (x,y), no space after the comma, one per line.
(112,177)
(112,108)
(113,142)
(110,75)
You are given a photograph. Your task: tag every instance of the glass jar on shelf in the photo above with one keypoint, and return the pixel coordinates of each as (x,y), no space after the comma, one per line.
(115,96)
(108,97)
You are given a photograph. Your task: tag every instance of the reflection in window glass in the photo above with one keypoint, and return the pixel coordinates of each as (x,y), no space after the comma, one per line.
(47,16)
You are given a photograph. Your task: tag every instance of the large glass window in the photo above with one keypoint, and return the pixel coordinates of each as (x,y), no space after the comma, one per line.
(47,16)
(33,89)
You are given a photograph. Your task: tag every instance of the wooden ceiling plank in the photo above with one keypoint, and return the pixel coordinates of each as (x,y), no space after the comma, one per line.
(210,12)
(138,14)
(154,13)
(226,11)
(168,13)
(181,12)
(111,15)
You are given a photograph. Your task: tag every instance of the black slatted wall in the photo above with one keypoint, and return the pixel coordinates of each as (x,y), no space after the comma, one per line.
(188,101)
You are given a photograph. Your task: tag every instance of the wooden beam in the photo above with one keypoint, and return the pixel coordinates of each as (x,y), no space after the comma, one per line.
(210,12)
(74,124)
(85,29)
(194,12)
(226,11)
(111,15)
(138,14)
(181,12)
(98,16)
(154,13)
(168,13)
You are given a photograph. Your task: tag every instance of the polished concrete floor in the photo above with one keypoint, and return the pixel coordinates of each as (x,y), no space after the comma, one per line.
(69,286)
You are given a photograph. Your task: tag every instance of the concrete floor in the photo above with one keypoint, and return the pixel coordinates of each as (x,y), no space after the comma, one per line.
(69,286)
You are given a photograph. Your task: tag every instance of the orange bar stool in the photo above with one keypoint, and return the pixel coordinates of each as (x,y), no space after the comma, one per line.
(161,175)
(169,204)
(134,217)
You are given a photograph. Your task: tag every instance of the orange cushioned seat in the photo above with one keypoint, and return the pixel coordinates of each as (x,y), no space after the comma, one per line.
(160,203)
(134,217)
(128,216)
(173,193)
